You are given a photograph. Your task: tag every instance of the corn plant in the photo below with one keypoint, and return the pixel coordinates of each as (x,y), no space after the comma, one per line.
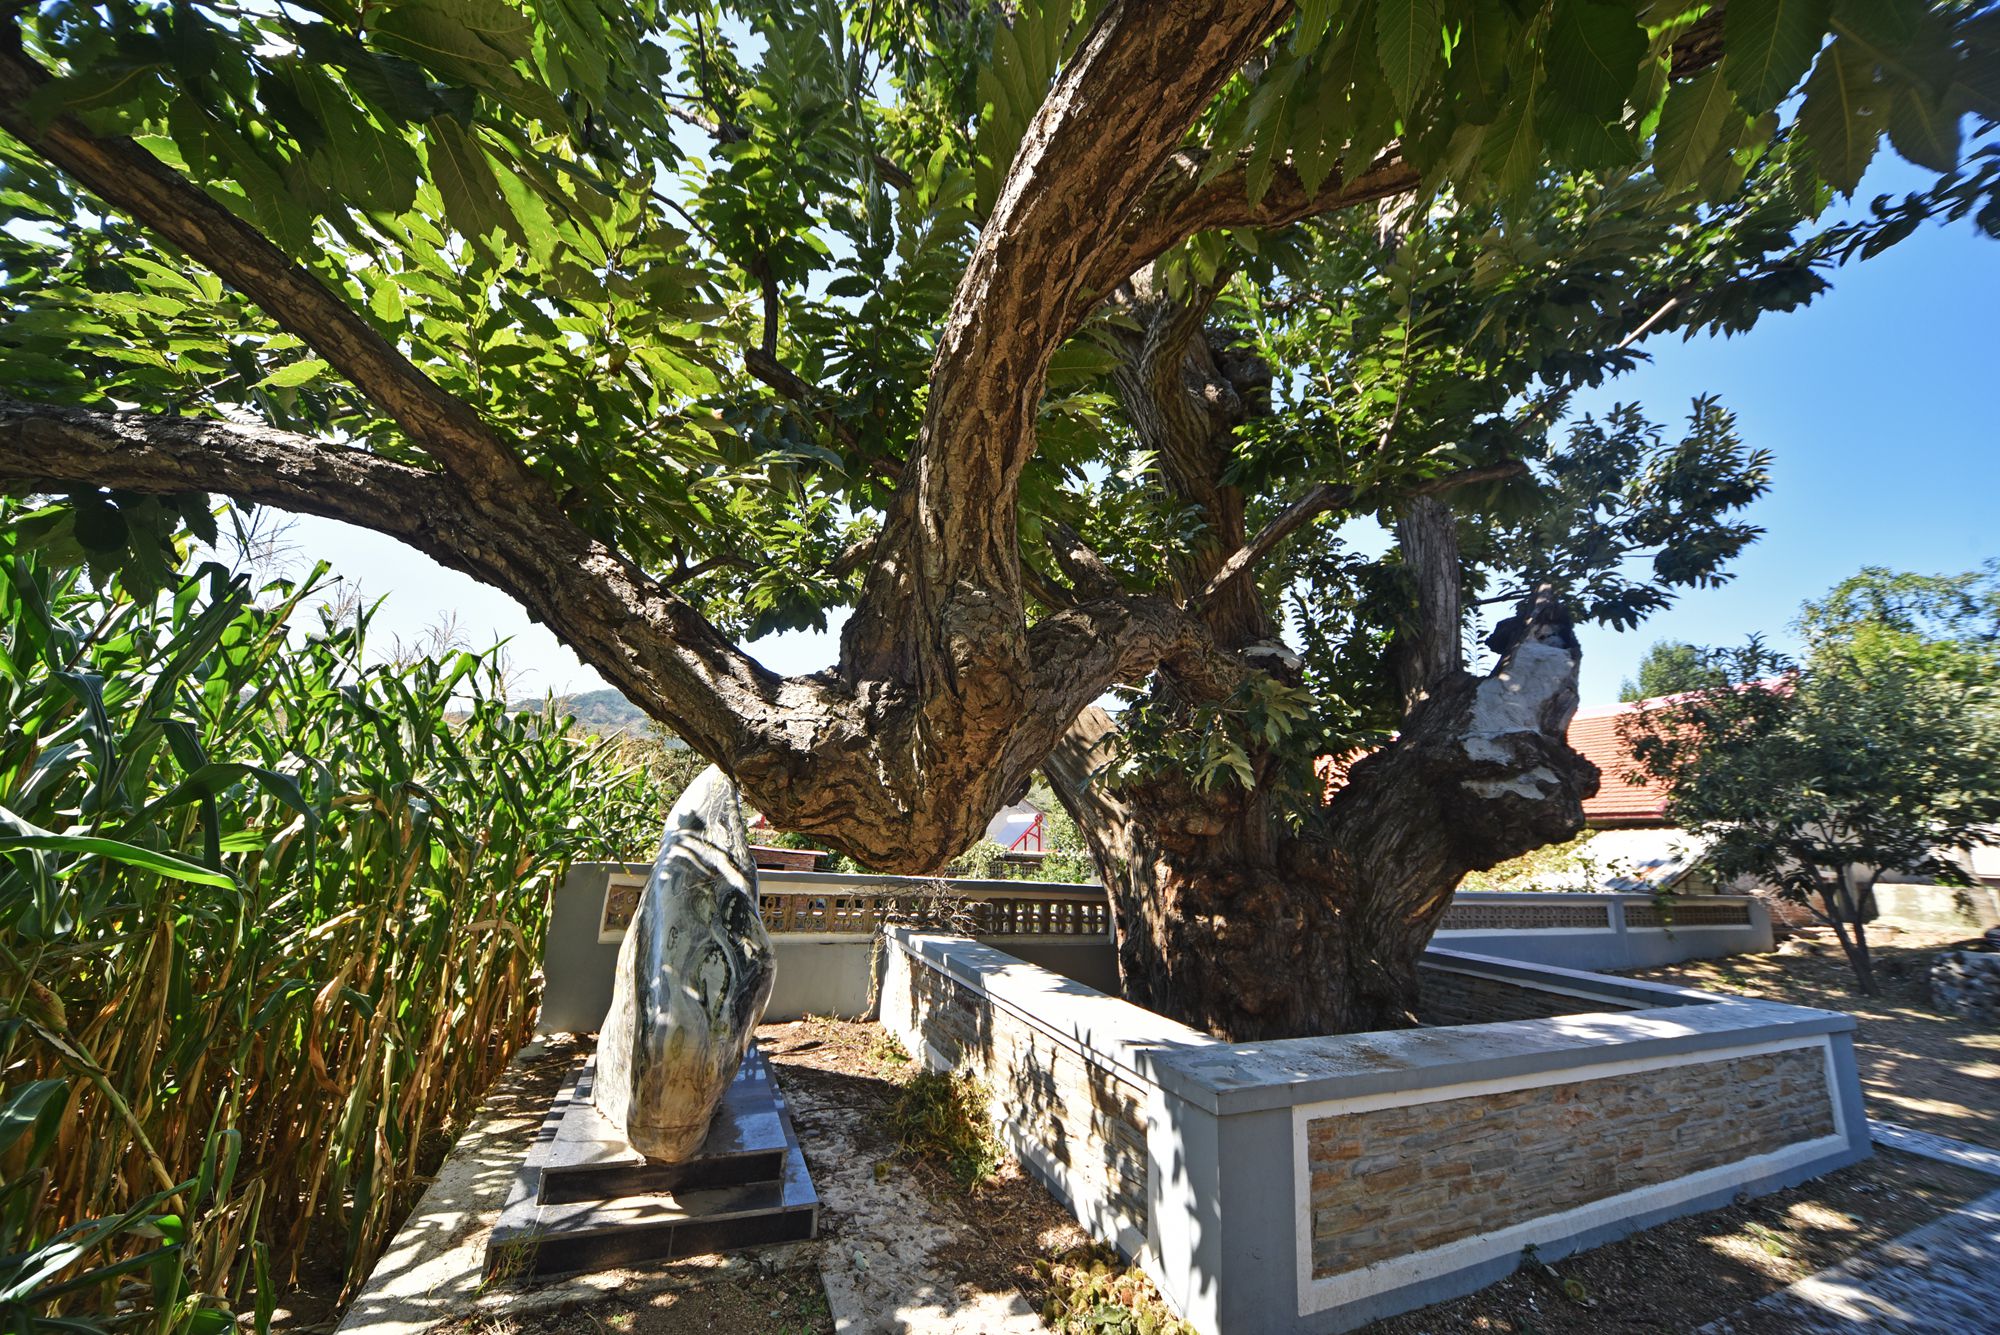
(270,918)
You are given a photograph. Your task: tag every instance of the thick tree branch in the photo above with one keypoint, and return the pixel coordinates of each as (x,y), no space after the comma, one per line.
(1427,649)
(52,448)
(1117,112)
(1332,496)
(650,644)
(1180,203)
(814,753)
(1085,568)
(136,183)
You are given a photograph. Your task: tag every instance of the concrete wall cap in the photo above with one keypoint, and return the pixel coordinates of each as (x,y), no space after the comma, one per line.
(1230,1078)
(1250,1077)
(1606,985)
(1117,1031)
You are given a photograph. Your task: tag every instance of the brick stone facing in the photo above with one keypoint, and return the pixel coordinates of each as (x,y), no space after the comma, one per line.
(1395,1181)
(1086,1118)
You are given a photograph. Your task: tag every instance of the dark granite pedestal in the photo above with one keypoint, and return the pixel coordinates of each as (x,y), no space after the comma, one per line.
(585,1200)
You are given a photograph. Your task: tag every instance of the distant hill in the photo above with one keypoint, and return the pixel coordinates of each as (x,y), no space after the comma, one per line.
(599,711)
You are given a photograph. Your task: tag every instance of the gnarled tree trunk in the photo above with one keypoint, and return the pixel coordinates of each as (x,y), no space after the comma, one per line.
(1229,920)
(1229,916)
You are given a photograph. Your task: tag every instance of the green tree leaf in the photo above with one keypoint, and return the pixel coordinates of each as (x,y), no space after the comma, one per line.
(1409,34)
(1699,121)
(1767,45)
(1922,131)
(293,374)
(458,165)
(1594,51)
(1841,119)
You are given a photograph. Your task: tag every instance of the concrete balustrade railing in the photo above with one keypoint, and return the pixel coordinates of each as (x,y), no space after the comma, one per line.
(1604,931)
(824,927)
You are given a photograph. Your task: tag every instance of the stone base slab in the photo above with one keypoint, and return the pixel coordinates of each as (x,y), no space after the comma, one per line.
(591,1161)
(584,1200)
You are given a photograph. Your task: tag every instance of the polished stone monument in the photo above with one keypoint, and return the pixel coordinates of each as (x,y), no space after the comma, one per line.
(694,976)
(673,1139)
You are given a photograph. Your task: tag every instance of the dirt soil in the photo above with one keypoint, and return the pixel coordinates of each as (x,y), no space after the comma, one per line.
(1919,1066)
(999,1228)
(787,1303)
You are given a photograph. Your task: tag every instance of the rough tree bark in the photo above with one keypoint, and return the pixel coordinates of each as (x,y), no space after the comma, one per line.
(1230,921)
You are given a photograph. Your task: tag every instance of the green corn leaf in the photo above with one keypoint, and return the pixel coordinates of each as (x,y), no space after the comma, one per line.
(17,833)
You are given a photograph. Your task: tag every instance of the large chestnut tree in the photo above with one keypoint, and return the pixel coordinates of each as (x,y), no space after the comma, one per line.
(1063,345)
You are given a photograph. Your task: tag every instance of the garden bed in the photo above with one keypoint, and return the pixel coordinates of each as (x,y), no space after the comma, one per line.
(1314,1184)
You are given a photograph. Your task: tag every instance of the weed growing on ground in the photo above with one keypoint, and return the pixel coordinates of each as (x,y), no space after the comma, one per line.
(889,1050)
(1093,1290)
(941,1118)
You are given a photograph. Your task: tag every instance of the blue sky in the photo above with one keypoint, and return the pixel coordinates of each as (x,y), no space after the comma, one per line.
(1877,403)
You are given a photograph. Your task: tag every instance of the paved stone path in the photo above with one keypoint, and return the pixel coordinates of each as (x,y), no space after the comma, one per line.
(1941,1279)
(880,1237)
(1890,1135)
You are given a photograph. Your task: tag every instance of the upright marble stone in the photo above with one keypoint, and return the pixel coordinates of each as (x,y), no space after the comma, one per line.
(694,976)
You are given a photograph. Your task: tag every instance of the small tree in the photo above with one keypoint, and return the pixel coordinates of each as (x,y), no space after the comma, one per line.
(1872,754)
(1670,667)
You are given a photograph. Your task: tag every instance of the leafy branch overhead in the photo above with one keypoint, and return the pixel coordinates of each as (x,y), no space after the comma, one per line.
(688,321)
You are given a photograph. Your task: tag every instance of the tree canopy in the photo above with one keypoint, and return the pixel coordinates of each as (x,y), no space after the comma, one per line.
(1669,668)
(1051,343)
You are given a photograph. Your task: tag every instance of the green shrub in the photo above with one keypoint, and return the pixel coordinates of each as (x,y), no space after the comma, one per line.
(984,861)
(940,1118)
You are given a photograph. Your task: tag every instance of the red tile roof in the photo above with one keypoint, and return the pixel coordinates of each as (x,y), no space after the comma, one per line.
(1594,732)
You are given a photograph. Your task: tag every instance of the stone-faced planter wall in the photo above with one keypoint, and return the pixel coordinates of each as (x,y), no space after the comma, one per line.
(1316,1184)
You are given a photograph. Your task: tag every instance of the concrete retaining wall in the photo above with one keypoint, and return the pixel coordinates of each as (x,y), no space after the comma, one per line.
(1604,931)
(1973,908)
(832,972)
(1317,1184)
